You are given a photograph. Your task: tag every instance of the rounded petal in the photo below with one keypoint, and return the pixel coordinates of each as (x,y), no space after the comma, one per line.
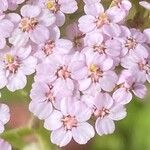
(85,21)
(60,18)
(68,6)
(122,96)
(84,84)
(53,122)
(4,113)
(17,81)
(61,137)
(83,133)
(139,90)
(117,112)
(30,11)
(46,18)
(63,46)
(41,109)
(104,126)
(28,65)
(42,31)
(2,42)
(93,9)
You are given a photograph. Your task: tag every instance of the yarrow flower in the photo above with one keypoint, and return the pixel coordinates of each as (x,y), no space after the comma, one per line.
(84,71)
(70,123)
(34,22)
(15,64)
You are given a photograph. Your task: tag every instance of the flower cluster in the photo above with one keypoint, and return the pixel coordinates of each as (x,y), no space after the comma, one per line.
(91,72)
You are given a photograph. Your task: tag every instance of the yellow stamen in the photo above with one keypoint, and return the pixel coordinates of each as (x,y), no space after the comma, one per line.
(9,58)
(50,5)
(93,68)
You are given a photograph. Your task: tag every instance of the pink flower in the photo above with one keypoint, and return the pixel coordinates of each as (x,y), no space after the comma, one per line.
(106,111)
(44,97)
(59,8)
(138,63)
(4,145)
(53,46)
(6,27)
(133,41)
(34,22)
(63,71)
(97,18)
(70,123)
(128,84)
(99,74)
(120,7)
(4,116)
(15,64)
(76,36)
(95,42)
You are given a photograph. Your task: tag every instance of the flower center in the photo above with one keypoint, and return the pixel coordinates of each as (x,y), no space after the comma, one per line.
(130,43)
(12,63)
(95,73)
(116,3)
(48,48)
(100,48)
(69,122)
(63,72)
(78,40)
(101,113)
(28,24)
(102,19)
(50,94)
(145,66)
(53,5)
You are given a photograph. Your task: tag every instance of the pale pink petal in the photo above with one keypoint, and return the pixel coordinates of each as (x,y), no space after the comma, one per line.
(30,11)
(84,84)
(4,113)
(140,90)
(61,137)
(122,96)
(16,82)
(112,30)
(83,133)
(28,65)
(19,38)
(42,31)
(68,6)
(85,21)
(63,46)
(46,18)
(93,9)
(41,109)
(104,126)
(53,122)
(145,4)
(60,18)
(6,27)
(117,112)
(108,81)
(3,5)
(3,79)
(2,42)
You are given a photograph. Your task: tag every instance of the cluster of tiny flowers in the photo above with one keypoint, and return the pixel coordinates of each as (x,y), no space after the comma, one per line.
(91,72)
